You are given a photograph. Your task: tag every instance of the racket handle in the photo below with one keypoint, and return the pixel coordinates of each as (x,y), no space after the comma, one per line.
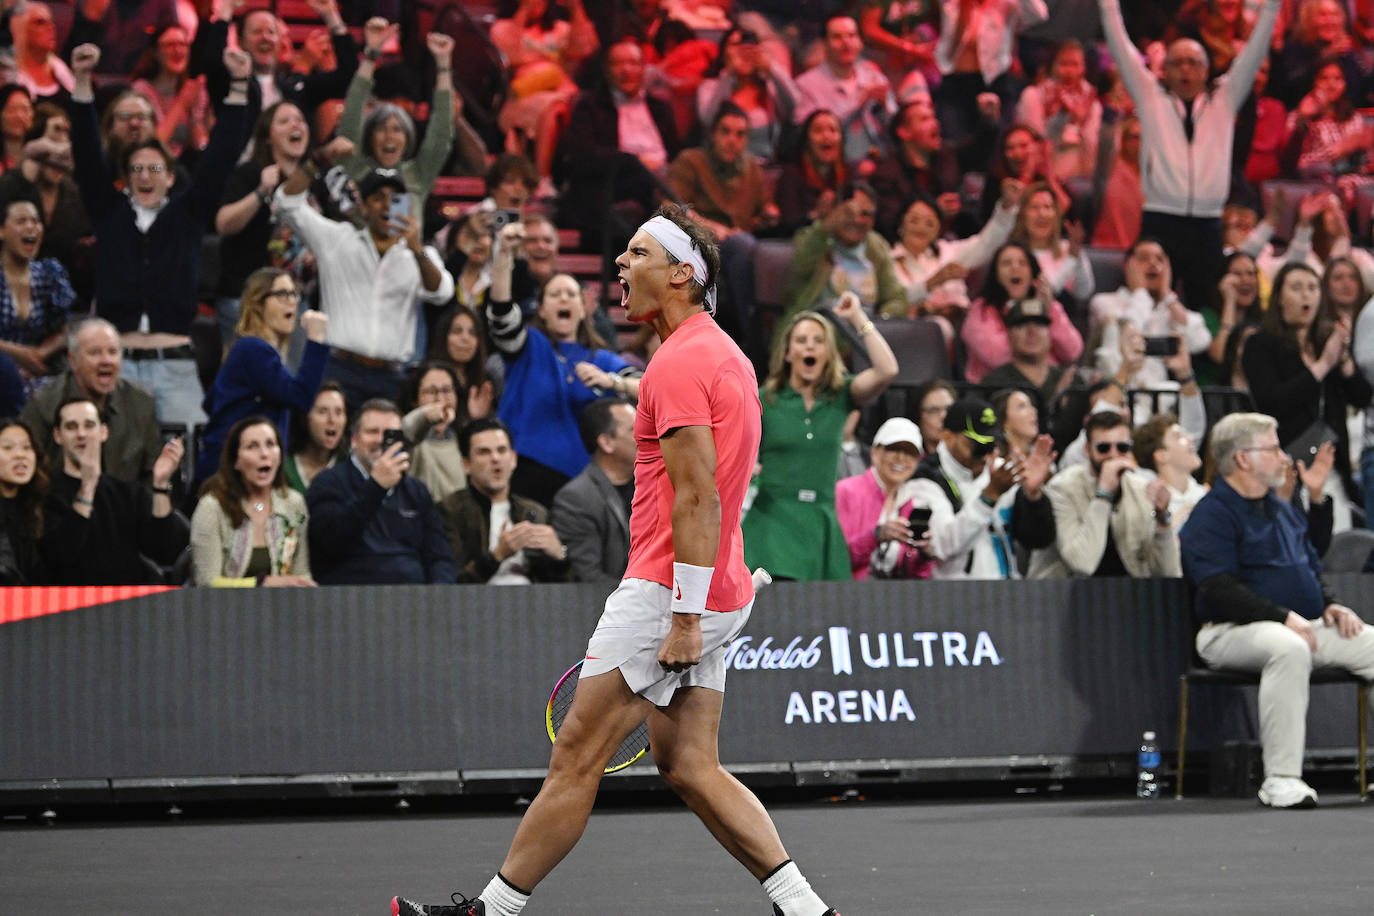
(761,578)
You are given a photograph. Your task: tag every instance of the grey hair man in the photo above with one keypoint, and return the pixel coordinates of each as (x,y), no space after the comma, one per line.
(93,371)
(1262,603)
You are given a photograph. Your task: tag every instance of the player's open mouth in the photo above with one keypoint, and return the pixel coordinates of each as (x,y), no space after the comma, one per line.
(624,292)
(564,314)
(809,362)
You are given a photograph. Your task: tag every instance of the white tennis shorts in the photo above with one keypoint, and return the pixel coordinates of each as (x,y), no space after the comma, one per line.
(631,631)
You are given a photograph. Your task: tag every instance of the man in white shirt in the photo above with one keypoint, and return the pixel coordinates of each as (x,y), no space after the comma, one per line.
(372,281)
(1147,300)
(1188,129)
(1162,447)
(854,89)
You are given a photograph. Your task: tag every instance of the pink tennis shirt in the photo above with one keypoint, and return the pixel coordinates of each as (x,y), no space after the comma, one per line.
(698,377)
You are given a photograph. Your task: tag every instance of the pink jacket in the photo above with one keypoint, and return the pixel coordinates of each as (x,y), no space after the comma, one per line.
(985,339)
(859,504)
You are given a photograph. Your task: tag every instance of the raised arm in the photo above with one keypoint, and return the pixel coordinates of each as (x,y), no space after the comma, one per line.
(882,369)
(1241,76)
(1134,73)
(434,149)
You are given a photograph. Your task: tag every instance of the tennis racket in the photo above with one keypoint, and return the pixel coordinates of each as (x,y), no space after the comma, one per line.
(635,743)
(561,700)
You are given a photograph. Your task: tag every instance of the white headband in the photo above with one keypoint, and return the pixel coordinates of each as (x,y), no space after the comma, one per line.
(679,244)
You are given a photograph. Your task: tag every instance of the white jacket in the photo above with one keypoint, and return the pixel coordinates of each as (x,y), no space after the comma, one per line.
(1179,177)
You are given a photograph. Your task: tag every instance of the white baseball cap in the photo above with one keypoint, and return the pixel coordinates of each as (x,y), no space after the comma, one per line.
(898,429)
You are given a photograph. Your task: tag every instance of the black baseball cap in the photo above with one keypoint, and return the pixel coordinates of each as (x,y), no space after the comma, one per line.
(1026,311)
(381,178)
(975,419)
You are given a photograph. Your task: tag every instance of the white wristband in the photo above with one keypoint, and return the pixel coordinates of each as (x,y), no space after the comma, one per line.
(690,585)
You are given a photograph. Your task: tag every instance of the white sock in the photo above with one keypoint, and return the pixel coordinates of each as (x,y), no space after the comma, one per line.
(787,888)
(502,899)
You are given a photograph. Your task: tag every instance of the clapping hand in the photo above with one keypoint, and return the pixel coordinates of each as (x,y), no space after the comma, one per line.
(168,460)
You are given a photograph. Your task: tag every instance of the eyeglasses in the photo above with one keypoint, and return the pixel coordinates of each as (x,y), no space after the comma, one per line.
(154,168)
(292,294)
(1276,449)
(124,117)
(934,409)
(437,392)
(1104,448)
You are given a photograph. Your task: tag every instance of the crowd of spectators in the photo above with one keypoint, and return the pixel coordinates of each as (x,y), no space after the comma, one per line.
(1112,243)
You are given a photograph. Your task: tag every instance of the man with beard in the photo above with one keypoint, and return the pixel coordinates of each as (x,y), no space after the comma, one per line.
(1109,520)
(1261,600)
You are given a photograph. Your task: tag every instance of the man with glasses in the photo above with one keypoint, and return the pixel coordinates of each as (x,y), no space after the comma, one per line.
(981,504)
(148,237)
(1110,519)
(1188,128)
(1261,600)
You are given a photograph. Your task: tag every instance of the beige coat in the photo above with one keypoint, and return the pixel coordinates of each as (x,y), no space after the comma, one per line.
(1147,550)
(220,552)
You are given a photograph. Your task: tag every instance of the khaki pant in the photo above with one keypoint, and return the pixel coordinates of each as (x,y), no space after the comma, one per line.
(1285,664)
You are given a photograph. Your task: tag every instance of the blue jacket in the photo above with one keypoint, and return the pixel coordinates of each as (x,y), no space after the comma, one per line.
(361,534)
(1263,544)
(254,381)
(543,399)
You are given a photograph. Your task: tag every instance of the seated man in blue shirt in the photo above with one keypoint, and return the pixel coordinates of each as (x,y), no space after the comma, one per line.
(370,523)
(1261,600)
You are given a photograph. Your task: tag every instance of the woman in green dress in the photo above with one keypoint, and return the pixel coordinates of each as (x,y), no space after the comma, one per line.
(792,529)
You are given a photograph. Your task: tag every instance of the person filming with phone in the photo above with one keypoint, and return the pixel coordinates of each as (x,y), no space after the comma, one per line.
(887,533)
(372,280)
(1147,299)
(371,523)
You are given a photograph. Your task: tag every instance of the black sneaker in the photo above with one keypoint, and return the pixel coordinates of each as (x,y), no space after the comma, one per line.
(777,911)
(461,906)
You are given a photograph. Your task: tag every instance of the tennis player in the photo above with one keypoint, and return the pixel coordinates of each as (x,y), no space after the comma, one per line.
(658,652)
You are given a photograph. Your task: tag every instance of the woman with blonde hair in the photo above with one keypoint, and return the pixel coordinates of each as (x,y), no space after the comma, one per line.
(249,527)
(254,379)
(792,528)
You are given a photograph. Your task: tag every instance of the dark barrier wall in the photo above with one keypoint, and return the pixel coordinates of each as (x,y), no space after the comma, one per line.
(206,683)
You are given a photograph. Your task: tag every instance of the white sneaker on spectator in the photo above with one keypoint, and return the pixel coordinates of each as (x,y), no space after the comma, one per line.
(1287,792)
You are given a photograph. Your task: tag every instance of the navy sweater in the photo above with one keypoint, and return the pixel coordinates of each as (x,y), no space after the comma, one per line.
(158,271)
(254,381)
(360,534)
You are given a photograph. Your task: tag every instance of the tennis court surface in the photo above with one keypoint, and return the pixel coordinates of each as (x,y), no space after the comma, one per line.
(1034,855)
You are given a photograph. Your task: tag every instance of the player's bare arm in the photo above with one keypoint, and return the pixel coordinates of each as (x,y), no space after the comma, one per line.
(689,456)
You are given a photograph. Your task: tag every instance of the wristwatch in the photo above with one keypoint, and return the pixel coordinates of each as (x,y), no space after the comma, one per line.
(1164,517)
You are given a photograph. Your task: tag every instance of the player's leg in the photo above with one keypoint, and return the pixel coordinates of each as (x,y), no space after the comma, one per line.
(604,711)
(683,740)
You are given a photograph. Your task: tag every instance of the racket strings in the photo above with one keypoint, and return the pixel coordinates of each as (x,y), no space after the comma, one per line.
(634,745)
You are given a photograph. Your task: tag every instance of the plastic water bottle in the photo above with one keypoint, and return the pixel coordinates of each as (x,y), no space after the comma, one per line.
(1146,782)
